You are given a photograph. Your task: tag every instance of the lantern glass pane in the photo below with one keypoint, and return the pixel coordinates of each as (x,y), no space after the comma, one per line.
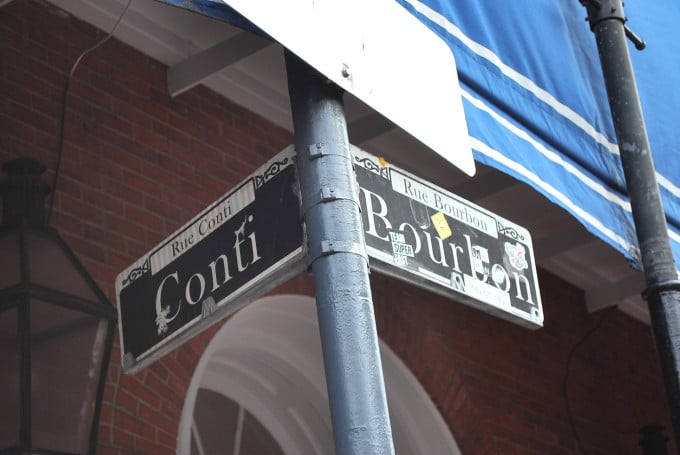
(66,360)
(10,357)
(10,264)
(50,266)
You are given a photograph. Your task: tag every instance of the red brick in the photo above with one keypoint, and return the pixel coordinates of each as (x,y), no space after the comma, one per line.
(108,119)
(164,209)
(14,127)
(170,133)
(146,447)
(133,114)
(172,409)
(122,438)
(33,117)
(105,202)
(67,223)
(105,433)
(130,424)
(126,193)
(80,89)
(106,415)
(84,248)
(160,386)
(141,183)
(127,402)
(167,440)
(177,368)
(157,419)
(143,218)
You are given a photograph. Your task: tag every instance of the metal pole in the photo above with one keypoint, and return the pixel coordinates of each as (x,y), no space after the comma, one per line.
(607,21)
(338,261)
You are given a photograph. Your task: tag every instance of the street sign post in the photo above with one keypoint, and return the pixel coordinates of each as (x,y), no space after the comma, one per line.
(337,259)
(242,245)
(425,235)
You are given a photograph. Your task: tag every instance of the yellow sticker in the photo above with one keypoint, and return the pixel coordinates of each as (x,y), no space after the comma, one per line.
(441,226)
(382,161)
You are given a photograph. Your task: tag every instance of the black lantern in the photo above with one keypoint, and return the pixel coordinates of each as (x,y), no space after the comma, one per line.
(653,441)
(56,328)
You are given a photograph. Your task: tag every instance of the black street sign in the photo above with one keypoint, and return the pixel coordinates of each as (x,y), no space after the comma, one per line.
(244,244)
(425,235)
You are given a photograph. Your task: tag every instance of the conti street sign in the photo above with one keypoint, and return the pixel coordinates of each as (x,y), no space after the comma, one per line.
(425,235)
(242,245)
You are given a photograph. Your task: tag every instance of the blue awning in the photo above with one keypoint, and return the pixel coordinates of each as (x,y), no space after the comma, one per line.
(536,106)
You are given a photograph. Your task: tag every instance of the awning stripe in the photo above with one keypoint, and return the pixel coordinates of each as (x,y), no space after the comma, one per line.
(520,121)
(558,159)
(556,178)
(550,190)
(529,85)
(514,75)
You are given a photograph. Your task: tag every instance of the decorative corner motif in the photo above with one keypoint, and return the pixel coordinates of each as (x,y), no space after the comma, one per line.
(208,307)
(370,165)
(271,171)
(509,231)
(129,361)
(162,320)
(136,273)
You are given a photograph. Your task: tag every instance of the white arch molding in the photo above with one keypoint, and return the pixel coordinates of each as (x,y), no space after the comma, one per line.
(268,359)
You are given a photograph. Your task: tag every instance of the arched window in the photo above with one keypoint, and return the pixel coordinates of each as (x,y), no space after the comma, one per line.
(223,426)
(260,388)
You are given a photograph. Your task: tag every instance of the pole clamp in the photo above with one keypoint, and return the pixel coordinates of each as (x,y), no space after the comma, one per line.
(328,194)
(321,149)
(601,10)
(329,247)
(657,288)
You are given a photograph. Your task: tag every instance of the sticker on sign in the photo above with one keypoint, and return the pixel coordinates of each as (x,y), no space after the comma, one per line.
(383,55)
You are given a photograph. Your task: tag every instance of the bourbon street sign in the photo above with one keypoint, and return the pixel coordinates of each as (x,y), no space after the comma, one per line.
(425,235)
(244,244)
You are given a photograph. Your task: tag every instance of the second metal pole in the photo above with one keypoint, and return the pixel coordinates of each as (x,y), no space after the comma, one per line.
(338,261)
(607,21)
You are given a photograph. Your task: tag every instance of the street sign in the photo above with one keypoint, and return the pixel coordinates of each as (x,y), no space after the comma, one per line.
(425,235)
(383,55)
(244,244)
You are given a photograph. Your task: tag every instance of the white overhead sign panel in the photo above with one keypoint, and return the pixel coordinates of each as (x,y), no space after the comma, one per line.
(383,55)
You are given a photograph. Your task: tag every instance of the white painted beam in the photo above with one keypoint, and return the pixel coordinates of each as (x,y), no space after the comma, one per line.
(561,241)
(196,68)
(612,294)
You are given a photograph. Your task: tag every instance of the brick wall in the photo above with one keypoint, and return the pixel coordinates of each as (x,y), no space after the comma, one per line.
(137,164)
(501,387)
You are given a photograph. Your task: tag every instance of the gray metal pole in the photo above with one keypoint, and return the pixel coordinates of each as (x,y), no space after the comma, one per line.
(338,260)
(607,21)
